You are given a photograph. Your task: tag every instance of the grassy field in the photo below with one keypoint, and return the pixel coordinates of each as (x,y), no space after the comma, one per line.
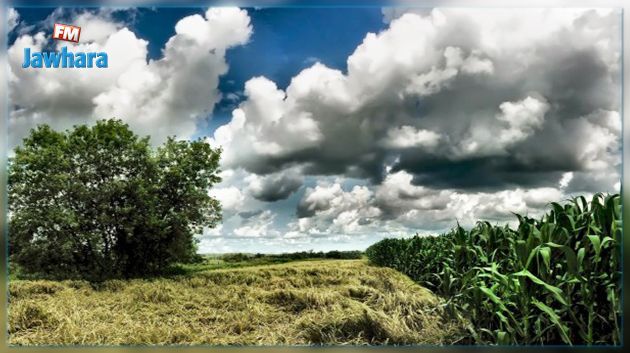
(304,302)
(235,260)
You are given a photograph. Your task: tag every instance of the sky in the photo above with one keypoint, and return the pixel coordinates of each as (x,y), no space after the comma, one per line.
(341,126)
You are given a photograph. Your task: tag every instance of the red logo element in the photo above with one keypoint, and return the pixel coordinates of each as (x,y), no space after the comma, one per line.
(66,32)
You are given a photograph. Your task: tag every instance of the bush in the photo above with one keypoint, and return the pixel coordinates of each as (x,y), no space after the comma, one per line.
(554,280)
(99,202)
(235,257)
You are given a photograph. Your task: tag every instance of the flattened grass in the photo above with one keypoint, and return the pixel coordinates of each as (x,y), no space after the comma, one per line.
(311,302)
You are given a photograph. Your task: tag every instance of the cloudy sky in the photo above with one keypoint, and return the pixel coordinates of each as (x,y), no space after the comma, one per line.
(341,126)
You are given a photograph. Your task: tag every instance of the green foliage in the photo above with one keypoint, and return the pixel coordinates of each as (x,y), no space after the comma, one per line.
(301,255)
(99,202)
(555,280)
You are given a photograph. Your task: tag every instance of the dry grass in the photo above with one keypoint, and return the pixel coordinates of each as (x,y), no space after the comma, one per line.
(314,302)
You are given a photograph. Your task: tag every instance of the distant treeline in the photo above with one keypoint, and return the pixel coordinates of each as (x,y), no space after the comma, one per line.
(301,255)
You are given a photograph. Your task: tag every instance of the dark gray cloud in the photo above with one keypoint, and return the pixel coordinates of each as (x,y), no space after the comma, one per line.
(274,187)
(447,116)
(456,99)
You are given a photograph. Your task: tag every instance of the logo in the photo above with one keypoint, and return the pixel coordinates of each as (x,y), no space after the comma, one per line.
(64,58)
(66,32)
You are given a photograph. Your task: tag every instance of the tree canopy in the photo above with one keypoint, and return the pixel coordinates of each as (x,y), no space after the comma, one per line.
(100,202)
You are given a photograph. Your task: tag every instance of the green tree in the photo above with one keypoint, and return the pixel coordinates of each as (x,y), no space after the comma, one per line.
(99,202)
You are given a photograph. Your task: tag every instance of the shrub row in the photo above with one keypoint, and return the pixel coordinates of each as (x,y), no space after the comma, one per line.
(301,255)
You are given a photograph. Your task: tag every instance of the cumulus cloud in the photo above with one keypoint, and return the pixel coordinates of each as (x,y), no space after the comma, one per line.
(181,88)
(96,27)
(274,187)
(447,115)
(398,206)
(257,225)
(397,195)
(248,209)
(260,129)
(407,136)
(515,122)
(163,97)
(328,209)
(471,99)
(230,197)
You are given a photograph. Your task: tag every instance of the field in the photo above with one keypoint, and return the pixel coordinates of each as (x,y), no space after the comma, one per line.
(296,303)
(549,280)
(552,280)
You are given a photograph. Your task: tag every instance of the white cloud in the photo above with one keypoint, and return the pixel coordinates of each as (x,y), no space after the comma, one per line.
(398,207)
(263,126)
(446,115)
(438,87)
(328,209)
(397,194)
(499,207)
(476,65)
(435,80)
(565,180)
(407,136)
(96,27)
(418,207)
(258,226)
(161,97)
(522,118)
(231,198)
(13,18)
(600,134)
(515,123)
(172,94)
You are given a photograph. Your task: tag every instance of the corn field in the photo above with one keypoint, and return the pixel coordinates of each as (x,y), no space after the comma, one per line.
(554,280)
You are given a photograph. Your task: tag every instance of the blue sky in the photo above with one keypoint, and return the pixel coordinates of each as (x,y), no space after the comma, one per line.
(284,41)
(340,126)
